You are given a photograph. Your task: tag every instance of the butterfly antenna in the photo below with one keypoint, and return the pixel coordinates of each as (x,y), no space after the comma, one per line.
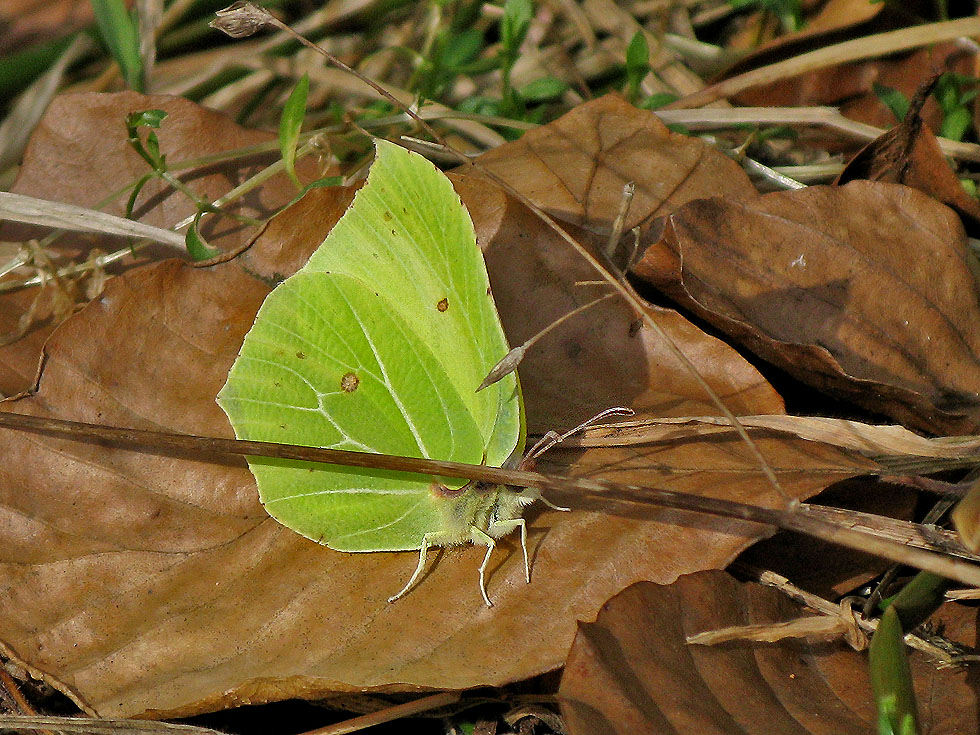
(552,438)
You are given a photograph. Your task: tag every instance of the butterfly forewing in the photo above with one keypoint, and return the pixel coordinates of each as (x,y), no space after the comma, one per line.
(408,235)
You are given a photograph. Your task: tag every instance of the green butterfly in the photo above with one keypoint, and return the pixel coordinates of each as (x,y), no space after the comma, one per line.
(378,344)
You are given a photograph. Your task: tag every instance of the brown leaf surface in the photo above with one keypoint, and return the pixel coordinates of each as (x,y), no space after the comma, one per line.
(27,22)
(78,154)
(535,275)
(158,585)
(850,86)
(632,671)
(910,154)
(863,290)
(575,168)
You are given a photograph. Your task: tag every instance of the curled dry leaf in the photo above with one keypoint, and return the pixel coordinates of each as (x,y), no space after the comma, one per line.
(886,444)
(864,291)
(158,585)
(910,154)
(632,670)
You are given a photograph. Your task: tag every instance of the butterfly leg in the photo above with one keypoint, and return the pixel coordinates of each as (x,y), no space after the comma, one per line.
(427,540)
(499,529)
(480,537)
(551,505)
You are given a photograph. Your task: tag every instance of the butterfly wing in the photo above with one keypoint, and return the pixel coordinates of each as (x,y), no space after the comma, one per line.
(328,363)
(408,233)
(378,345)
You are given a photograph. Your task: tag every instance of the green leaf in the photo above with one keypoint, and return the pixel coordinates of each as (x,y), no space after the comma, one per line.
(514,26)
(290,124)
(378,345)
(657,100)
(461,49)
(891,679)
(544,89)
(637,63)
(956,123)
(197,246)
(920,598)
(118,30)
(894,100)
(150,151)
(149,118)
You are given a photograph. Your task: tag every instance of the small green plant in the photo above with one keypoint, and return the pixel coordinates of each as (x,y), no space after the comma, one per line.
(637,65)
(458,49)
(451,50)
(149,151)
(891,679)
(789,12)
(637,68)
(891,98)
(954,93)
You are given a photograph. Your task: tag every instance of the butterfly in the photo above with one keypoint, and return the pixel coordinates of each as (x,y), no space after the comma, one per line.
(378,344)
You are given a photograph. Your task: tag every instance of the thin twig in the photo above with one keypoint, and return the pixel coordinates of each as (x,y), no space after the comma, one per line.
(217,449)
(388,714)
(826,607)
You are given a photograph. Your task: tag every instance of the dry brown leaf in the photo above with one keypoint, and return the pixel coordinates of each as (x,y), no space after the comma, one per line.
(910,154)
(864,291)
(79,155)
(881,443)
(602,357)
(28,22)
(575,168)
(631,671)
(158,585)
(831,571)
(850,85)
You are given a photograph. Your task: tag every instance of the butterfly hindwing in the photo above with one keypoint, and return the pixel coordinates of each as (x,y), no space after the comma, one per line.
(340,370)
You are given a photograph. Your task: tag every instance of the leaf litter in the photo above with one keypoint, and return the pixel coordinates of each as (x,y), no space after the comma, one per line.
(152,613)
(117,597)
(633,670)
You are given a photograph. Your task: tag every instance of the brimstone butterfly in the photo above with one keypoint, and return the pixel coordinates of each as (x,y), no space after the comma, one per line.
(378,344)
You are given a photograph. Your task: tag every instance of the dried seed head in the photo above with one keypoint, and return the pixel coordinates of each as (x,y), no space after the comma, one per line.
(241,19)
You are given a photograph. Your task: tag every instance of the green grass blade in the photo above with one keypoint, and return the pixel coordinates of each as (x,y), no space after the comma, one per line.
(891,679)
(290,124)
(119,32)
(920,598)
